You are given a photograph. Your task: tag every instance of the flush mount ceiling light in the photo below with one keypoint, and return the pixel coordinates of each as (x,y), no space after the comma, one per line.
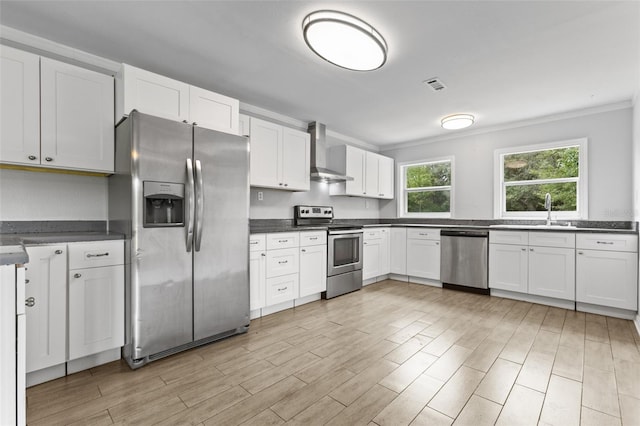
(457,121)
(344,40)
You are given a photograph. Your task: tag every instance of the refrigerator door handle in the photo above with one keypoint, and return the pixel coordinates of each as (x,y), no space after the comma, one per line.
(199,204)
(192,202)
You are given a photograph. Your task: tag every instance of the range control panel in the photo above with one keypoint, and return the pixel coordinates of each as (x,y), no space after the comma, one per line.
(313,212)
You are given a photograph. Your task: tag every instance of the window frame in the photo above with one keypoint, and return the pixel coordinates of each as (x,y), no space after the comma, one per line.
(582,182)
(402,189)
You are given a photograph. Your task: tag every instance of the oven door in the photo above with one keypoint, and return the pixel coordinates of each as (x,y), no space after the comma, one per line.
(344,253)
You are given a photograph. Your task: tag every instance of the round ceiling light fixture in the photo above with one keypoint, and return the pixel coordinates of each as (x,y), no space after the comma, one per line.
(457,121)
(344,40)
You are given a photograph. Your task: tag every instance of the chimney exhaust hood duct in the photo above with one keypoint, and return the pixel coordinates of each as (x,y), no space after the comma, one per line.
(319,171)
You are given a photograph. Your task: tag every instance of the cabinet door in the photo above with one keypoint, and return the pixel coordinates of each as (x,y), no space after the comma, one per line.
(508,266)
(46,283)
(355,163)
(257,279)
(385,266)
(96,310)
(552,272)
(385,177)
(607,278)
(153,94)
(265,154)
(295,164)
(371,175)
(371,252)
(77,117)
(398,249)
(423,259)
(313,270)
(281,289)
(213,111)
(19,106)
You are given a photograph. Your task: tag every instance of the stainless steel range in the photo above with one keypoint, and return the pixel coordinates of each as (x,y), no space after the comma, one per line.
(344,251)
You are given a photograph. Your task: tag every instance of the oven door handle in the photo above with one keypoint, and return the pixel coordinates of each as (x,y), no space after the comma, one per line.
(345,234)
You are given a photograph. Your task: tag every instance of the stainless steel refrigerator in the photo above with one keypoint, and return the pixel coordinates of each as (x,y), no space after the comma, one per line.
(180,194)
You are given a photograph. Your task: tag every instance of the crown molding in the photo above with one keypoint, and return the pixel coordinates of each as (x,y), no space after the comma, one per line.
(515,124)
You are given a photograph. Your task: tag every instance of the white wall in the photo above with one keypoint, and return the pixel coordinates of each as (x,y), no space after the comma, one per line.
(279,204)
(51,196)
(610,162)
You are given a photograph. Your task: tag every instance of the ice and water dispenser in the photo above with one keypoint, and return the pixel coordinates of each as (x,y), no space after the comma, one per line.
(163,204)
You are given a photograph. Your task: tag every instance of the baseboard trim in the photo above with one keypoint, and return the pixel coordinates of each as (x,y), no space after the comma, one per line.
(532,298)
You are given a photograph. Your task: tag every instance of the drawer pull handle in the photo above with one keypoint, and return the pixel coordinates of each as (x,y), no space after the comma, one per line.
(98,255)
(253,243)
(580,252)
(30,302)
(283,241)
(605,242)
(58,251)
(77,275)
(282,262)
(283,288)
(313,238)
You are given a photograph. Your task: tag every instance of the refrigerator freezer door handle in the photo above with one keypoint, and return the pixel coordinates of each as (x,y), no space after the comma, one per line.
(199,204)
(192,202)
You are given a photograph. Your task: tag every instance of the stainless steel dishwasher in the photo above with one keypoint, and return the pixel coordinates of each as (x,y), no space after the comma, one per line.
(464,259)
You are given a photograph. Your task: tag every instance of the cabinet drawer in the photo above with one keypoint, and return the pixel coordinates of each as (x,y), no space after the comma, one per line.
(282,262)
(372,234)
(509,237)
(281,289)
(96,253)
(313,238)
(423,234)
(257,242)
(552,239)
(282,240)
(609,242)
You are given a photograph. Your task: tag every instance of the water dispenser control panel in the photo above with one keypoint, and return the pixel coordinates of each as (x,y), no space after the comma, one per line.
(163,204)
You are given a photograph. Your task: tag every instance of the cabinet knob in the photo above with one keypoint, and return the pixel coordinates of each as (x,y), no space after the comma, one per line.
(580,252)
(364,193)
(280,184)
(77,275)
(286,184)
(262,254)
(30,302)
(530,249)
(58,251)
(195,124)
(523,249)
(32,157)
(380,195)
(48,159)
(26,281)
(185,121)
(303,250)
(437,243)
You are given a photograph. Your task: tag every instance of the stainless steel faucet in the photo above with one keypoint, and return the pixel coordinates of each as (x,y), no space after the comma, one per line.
(547,205)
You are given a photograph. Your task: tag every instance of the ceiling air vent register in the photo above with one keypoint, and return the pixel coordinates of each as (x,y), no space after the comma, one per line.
(435,84)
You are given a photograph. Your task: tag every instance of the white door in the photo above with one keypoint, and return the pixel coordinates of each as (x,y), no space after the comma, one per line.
(355,159)
(385,177)
(19,106)
(295,164)
(257,279)
(552,272)
(96,310)
(398,249)
(265,154)
(423,259)
(313,270)
(371,252)
(153,94)
(46,311)
(607,278)
(385,242)
(213,111)
(77,117)
(508,266)
(371,175)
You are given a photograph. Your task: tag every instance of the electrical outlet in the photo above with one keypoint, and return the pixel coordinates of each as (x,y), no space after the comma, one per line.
(260,196)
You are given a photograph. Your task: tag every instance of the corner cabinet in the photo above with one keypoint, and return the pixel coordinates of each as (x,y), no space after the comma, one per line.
(372,173)
(164,97)
(54,114)
(280,157)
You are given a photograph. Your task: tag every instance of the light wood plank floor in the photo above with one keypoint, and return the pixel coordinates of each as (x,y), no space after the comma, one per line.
(392,354)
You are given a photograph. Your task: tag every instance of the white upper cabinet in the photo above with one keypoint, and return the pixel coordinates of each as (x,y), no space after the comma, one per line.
(77,117)
(19,106)
(161,96)
(55,114)
(280,157)
(372,173)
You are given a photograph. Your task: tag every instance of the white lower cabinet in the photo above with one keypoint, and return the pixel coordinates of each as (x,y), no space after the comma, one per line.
(282,262)
(552,272)
(257,272)
(313,269)
(423,253)
(398,251)
(46,306)
(607,277)
(281,289)
(375,255)
(508,267)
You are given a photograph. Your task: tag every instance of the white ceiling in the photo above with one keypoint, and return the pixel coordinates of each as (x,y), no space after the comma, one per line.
(502,61)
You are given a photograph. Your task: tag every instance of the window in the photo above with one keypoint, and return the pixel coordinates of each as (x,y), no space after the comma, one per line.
(525,175)
(426,188)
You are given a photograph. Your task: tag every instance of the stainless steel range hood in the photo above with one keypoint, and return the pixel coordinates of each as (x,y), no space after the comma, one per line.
(319,171)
